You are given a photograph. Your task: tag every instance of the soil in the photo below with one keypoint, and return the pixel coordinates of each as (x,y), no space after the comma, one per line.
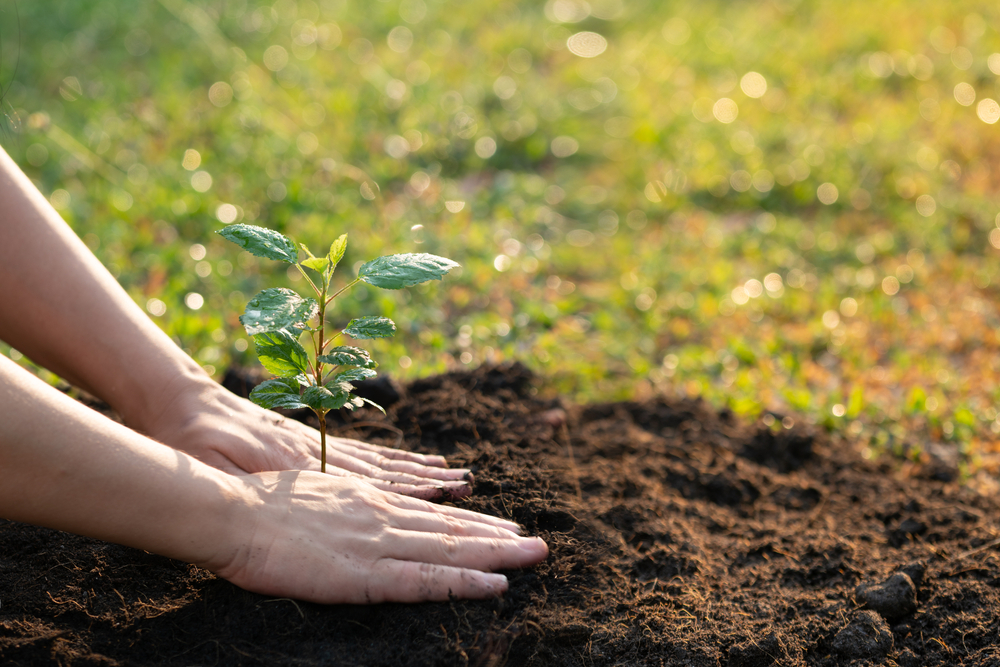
(678,536)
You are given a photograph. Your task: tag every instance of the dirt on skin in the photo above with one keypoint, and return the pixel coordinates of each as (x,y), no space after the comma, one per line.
(678,536)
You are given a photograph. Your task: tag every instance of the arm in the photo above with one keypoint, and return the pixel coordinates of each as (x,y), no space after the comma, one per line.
(298,534)
(60,307)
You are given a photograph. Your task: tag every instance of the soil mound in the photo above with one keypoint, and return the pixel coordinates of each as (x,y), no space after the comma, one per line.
(678,536)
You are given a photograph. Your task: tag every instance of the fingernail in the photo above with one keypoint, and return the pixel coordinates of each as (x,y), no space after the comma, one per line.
(512,527)
(496,582)
(468,477)
(535,545)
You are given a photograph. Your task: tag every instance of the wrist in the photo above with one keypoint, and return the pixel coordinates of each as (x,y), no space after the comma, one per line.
(172,399)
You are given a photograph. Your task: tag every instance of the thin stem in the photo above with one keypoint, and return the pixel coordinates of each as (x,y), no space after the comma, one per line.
(344,289)
(332,340)
(322,439)
(319,341)
(309,280)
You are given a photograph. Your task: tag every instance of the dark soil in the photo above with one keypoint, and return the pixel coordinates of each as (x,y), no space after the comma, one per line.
(678,535)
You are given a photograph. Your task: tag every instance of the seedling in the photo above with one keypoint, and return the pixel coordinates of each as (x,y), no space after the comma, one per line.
(277,317)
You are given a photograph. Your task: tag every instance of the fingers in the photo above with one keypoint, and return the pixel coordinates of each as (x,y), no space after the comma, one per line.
(430,491)
(444,524)
(478,553)
(368,470)
(395,454)
(457,513)
(407,581)
(386,460)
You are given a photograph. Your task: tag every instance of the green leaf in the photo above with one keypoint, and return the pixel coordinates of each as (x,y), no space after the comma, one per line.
(317,264)
(321,398)
(278,393)
(348,356)
(372,403)
(370,327)
(398,271)
(261,242)
(337,249)
(281,354)
(276,309)
(355,375)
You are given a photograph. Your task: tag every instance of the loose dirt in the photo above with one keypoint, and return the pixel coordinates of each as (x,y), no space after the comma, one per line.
(678,536)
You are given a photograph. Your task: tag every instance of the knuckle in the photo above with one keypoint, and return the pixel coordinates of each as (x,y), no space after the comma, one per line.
(450,546)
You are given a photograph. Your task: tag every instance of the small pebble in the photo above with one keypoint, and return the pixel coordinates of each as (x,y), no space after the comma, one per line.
(894,598)
(866,637)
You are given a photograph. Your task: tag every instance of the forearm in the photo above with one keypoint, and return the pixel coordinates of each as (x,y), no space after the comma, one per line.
(67,467)
(60,307)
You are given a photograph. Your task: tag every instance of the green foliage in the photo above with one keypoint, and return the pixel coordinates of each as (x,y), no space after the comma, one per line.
(280,353)
(370,327)
(599,266)
(261,242)
(278,393)
(277,316)
(348,356)
(399,271)
(278,309)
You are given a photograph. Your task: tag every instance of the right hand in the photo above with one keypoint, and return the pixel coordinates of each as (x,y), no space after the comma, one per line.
(341,540)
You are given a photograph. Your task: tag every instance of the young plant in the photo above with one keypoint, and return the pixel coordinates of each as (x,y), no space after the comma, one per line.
(276,318)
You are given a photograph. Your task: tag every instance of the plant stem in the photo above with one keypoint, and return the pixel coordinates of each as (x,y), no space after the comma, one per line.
(320,344)
(308,279)
(322,440)
(344,289)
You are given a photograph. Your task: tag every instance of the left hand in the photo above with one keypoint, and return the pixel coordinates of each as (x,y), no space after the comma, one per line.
(234,435)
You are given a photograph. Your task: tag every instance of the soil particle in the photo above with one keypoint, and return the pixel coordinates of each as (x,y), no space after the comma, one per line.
(678,535)
(866,637)
(762,652)
(893,598)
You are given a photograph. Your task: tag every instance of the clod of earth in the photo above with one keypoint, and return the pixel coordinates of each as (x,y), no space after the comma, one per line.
(866,637)
(759,652)
(893,598)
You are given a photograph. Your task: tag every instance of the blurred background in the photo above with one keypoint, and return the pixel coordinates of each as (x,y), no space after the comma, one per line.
(788,207)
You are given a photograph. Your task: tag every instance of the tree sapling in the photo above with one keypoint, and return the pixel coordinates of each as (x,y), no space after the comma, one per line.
(277,317)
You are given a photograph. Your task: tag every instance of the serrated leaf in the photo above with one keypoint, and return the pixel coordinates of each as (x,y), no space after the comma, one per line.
(276,309)
(278,393)
(399,271)
(321,398)
(337,249)
(261,242)
(280,353)
(355,375)
(370,327)
(372,403)
(345,355)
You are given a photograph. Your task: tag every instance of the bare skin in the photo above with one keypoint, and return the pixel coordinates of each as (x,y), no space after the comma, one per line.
(201,475)
(51,284)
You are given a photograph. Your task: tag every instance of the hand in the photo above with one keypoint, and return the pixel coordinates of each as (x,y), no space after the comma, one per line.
(232,434)
(337,540)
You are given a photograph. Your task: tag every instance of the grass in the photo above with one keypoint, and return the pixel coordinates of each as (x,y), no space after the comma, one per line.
(823,254)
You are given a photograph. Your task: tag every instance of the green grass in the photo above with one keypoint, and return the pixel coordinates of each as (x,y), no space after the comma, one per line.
(618,269)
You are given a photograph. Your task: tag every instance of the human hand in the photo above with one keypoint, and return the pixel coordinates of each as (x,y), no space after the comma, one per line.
(339,540)
(232,434)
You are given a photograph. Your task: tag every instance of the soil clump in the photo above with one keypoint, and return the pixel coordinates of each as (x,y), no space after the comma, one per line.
(679,535)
